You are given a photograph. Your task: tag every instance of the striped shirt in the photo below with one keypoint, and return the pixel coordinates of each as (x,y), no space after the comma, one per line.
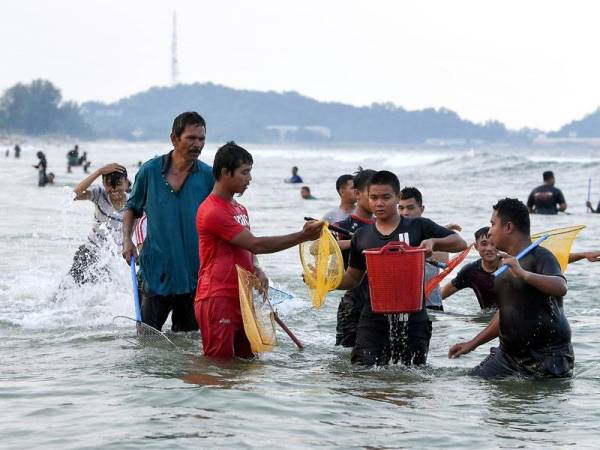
(140,230)
(108,221)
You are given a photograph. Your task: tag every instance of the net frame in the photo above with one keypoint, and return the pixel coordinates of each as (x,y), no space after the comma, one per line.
(323,268)
(260,331)
(560,242)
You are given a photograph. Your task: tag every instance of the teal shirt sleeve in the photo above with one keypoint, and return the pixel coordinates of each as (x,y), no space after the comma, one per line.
(139,193)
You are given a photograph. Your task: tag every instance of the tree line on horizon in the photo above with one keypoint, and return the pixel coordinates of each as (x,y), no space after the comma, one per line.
(38,109)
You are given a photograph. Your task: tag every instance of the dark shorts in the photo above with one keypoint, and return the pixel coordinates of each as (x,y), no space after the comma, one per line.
(383,337)
(499,364)
(156,309)
(348,315)
(222,328)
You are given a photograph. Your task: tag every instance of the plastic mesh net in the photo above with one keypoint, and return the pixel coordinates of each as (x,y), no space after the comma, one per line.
(144,334)
(560,242)
(322,265)
(436,280)
(257,313)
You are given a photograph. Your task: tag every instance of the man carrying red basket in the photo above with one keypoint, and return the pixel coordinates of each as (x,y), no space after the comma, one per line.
(399,337)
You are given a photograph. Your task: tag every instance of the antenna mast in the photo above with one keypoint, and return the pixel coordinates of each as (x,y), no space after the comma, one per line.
(174,62)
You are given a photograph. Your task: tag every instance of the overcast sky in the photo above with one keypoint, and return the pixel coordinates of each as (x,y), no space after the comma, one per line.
(525,63)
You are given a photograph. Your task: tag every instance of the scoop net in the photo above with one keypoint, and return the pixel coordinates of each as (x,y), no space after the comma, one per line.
(322,265)
(560,242)
(436,280)
(257,313)
(144,334)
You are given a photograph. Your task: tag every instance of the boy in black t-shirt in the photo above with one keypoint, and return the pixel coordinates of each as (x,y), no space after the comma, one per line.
(477,275)
(535,337)
(353,300)
(410,337)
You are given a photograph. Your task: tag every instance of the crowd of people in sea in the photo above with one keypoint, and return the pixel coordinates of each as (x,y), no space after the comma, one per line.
(182,223)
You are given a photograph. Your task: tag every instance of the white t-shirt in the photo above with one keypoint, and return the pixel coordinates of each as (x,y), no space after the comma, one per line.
(108,221)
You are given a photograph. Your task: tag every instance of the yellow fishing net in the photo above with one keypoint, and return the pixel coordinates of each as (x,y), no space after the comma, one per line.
(322,265)
(560,242)
(257,313)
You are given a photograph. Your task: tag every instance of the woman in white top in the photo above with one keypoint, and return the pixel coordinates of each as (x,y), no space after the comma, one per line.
(109,200)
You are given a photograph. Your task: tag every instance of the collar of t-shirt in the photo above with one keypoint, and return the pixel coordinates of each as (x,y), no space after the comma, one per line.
(167,160)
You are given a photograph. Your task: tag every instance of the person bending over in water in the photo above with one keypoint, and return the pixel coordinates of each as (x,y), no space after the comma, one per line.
(535,336)
(345,189)
(109,200)
(226,241)
(41,166)
(354,299)
(411,205)
(376,334)
(477,275)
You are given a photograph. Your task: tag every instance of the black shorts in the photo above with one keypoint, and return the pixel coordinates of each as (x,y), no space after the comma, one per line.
(156,309)
(408,341)
(499,364)
(348,315)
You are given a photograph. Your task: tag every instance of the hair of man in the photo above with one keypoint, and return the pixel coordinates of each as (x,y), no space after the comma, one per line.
(230,157)
(184,119)
(341,182)
(385,178)
(482,232)
(411,192)
(514,211)
(362,177)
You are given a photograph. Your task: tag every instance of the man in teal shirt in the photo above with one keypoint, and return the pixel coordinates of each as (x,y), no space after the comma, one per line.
(169,189)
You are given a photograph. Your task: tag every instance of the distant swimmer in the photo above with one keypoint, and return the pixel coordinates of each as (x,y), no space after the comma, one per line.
(345,189)
(295,178)
(50,178)
(169,189)
(410,206)
(477,275)
(226,241)
(375,336)
(305,193)
(17,151)
(545,198)
(109,201)
(535,336)
(41,166)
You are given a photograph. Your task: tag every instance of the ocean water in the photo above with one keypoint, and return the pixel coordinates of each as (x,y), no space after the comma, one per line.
(70,379)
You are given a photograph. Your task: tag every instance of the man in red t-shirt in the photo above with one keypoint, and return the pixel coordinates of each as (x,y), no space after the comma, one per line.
(225,240)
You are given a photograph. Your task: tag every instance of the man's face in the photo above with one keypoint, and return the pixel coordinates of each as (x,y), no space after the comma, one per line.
(304,193)
(550,181)
(410,208)
(191,142)
(498,232)
(383,201)
(486,248)
(362,199)
(239,181)
(347,192)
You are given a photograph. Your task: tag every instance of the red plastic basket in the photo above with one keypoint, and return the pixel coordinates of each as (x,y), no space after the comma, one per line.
(395,274)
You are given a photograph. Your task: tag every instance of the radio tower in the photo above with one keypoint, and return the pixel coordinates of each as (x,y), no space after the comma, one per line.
(174,63)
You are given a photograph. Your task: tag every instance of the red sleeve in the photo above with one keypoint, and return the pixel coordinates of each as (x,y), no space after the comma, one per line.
(219,223)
